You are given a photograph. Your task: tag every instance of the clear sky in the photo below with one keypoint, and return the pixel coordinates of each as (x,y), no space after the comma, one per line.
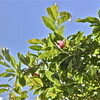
(20,20)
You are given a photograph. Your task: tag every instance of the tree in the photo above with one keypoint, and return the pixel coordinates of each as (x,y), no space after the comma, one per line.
(64,68)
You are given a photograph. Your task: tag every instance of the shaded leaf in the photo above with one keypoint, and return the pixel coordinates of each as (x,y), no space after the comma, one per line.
(37,91)
(96,29)
(70,66)
(22,80)
(4,85)
(58,37)
(89,19)
(23,59)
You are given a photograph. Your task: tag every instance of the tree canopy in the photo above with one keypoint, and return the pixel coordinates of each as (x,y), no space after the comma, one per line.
(64,68)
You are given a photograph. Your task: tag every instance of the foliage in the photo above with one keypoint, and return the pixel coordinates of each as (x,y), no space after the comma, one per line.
(71,72)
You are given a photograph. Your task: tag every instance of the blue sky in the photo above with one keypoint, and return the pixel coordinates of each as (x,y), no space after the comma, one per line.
(20,20)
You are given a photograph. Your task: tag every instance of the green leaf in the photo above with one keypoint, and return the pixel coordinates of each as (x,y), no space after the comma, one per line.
(6,54)
(64,17)
(8,57)
(22,80)
(70,66)
(79,37)
(70,90)
(4,85)
(36,47)
(24,60)
(6,74)
(1,57)
(37,91)
(35,41)
(13,96)
(51,37)
(49,23)
(97,51)
(61,30)
(17,89)
(51,77)
(13,61)
(38,81)
(50,93)
(53,12)
(4,63)
(3,90)
(50,40)
(58,37)
(23,95)
(32,69)
(89,19)
(96,29)
(48,54)
(10,70)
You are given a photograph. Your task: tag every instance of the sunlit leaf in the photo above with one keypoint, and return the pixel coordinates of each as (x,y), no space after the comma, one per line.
(4,63)
(36,83)
(51,95)
(24,95)
(49,23)
(10,70)
(13,62)
(3,90)
(53,12)
(6,74)
(1,57)
(6,54)
(4,85)
(35,41)
(48,54)
(51,77)
(36,47)
(65,16)
(61,30)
